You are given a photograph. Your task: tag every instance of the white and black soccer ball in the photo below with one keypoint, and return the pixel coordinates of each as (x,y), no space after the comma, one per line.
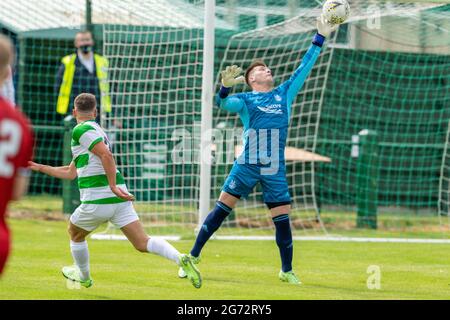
(336,11)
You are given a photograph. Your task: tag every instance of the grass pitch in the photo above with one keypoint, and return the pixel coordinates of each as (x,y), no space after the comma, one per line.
(231,269)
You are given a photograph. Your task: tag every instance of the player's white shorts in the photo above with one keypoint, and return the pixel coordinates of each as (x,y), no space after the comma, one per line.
(90,216)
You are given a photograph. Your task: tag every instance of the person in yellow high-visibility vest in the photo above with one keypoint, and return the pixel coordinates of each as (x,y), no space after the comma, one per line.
(83,72)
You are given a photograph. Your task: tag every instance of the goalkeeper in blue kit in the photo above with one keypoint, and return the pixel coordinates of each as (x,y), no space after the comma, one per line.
(265,113)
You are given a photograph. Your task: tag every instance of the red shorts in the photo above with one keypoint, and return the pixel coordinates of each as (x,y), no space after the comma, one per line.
(4,247)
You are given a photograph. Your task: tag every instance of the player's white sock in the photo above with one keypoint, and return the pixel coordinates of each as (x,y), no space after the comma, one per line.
(162,248)
(80,254)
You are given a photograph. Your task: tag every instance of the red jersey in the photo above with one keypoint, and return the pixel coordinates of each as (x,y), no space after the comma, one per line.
(16,149)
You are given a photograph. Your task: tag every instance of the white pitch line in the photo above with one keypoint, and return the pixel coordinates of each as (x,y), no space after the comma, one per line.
(117,237)
(299,238)
(340,239)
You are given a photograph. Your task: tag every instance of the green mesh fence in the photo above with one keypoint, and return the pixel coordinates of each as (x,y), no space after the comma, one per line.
(404,100)
(39,59)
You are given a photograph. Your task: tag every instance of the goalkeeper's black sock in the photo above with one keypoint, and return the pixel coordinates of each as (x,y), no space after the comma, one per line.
(211,224)
(284,241)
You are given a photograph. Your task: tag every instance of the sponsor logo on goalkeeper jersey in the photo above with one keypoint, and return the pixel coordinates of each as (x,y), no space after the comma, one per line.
(272,108)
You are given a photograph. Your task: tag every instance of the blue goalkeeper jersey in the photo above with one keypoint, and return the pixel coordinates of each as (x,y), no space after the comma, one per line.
(266,115)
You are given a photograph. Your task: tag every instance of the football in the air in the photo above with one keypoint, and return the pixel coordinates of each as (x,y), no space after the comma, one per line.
(336,11)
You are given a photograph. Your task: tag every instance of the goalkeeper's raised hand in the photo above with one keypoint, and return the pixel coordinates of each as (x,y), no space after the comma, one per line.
(231,76)
(324,28)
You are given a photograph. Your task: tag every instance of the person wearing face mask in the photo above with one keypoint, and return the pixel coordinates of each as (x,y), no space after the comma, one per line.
(83,72)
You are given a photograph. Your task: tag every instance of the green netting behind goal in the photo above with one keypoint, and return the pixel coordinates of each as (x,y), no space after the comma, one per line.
(389,77)
(404,98)
(388,74)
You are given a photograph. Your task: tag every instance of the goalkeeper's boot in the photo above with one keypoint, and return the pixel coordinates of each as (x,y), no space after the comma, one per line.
(190,270)
(73,273)
(195,260)
(289,277)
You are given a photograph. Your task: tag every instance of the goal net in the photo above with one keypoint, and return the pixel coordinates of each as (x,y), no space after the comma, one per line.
(367,132)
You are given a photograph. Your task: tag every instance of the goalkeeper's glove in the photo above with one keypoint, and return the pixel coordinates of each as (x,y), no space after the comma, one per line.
(324,28)
(231,76)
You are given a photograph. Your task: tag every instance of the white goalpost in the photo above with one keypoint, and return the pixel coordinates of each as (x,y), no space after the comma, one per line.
(207,107)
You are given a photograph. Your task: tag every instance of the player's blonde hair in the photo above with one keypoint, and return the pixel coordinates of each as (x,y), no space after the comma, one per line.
(6,54)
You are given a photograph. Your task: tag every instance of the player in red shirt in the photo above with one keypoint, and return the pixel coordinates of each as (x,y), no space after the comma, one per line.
(16,148)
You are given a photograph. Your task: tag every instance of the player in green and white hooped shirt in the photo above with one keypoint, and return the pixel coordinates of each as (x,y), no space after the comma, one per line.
(104,197)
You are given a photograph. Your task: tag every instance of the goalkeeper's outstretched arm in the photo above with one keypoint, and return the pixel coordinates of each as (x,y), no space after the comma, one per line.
(230,77)
(295,83)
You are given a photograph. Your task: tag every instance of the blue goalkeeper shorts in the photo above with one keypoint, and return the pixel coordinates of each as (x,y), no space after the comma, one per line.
(243,178)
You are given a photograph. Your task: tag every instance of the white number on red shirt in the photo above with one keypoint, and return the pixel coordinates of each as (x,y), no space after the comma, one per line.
(10,139)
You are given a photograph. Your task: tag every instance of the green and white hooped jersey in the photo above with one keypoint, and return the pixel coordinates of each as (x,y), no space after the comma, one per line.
(92,180)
